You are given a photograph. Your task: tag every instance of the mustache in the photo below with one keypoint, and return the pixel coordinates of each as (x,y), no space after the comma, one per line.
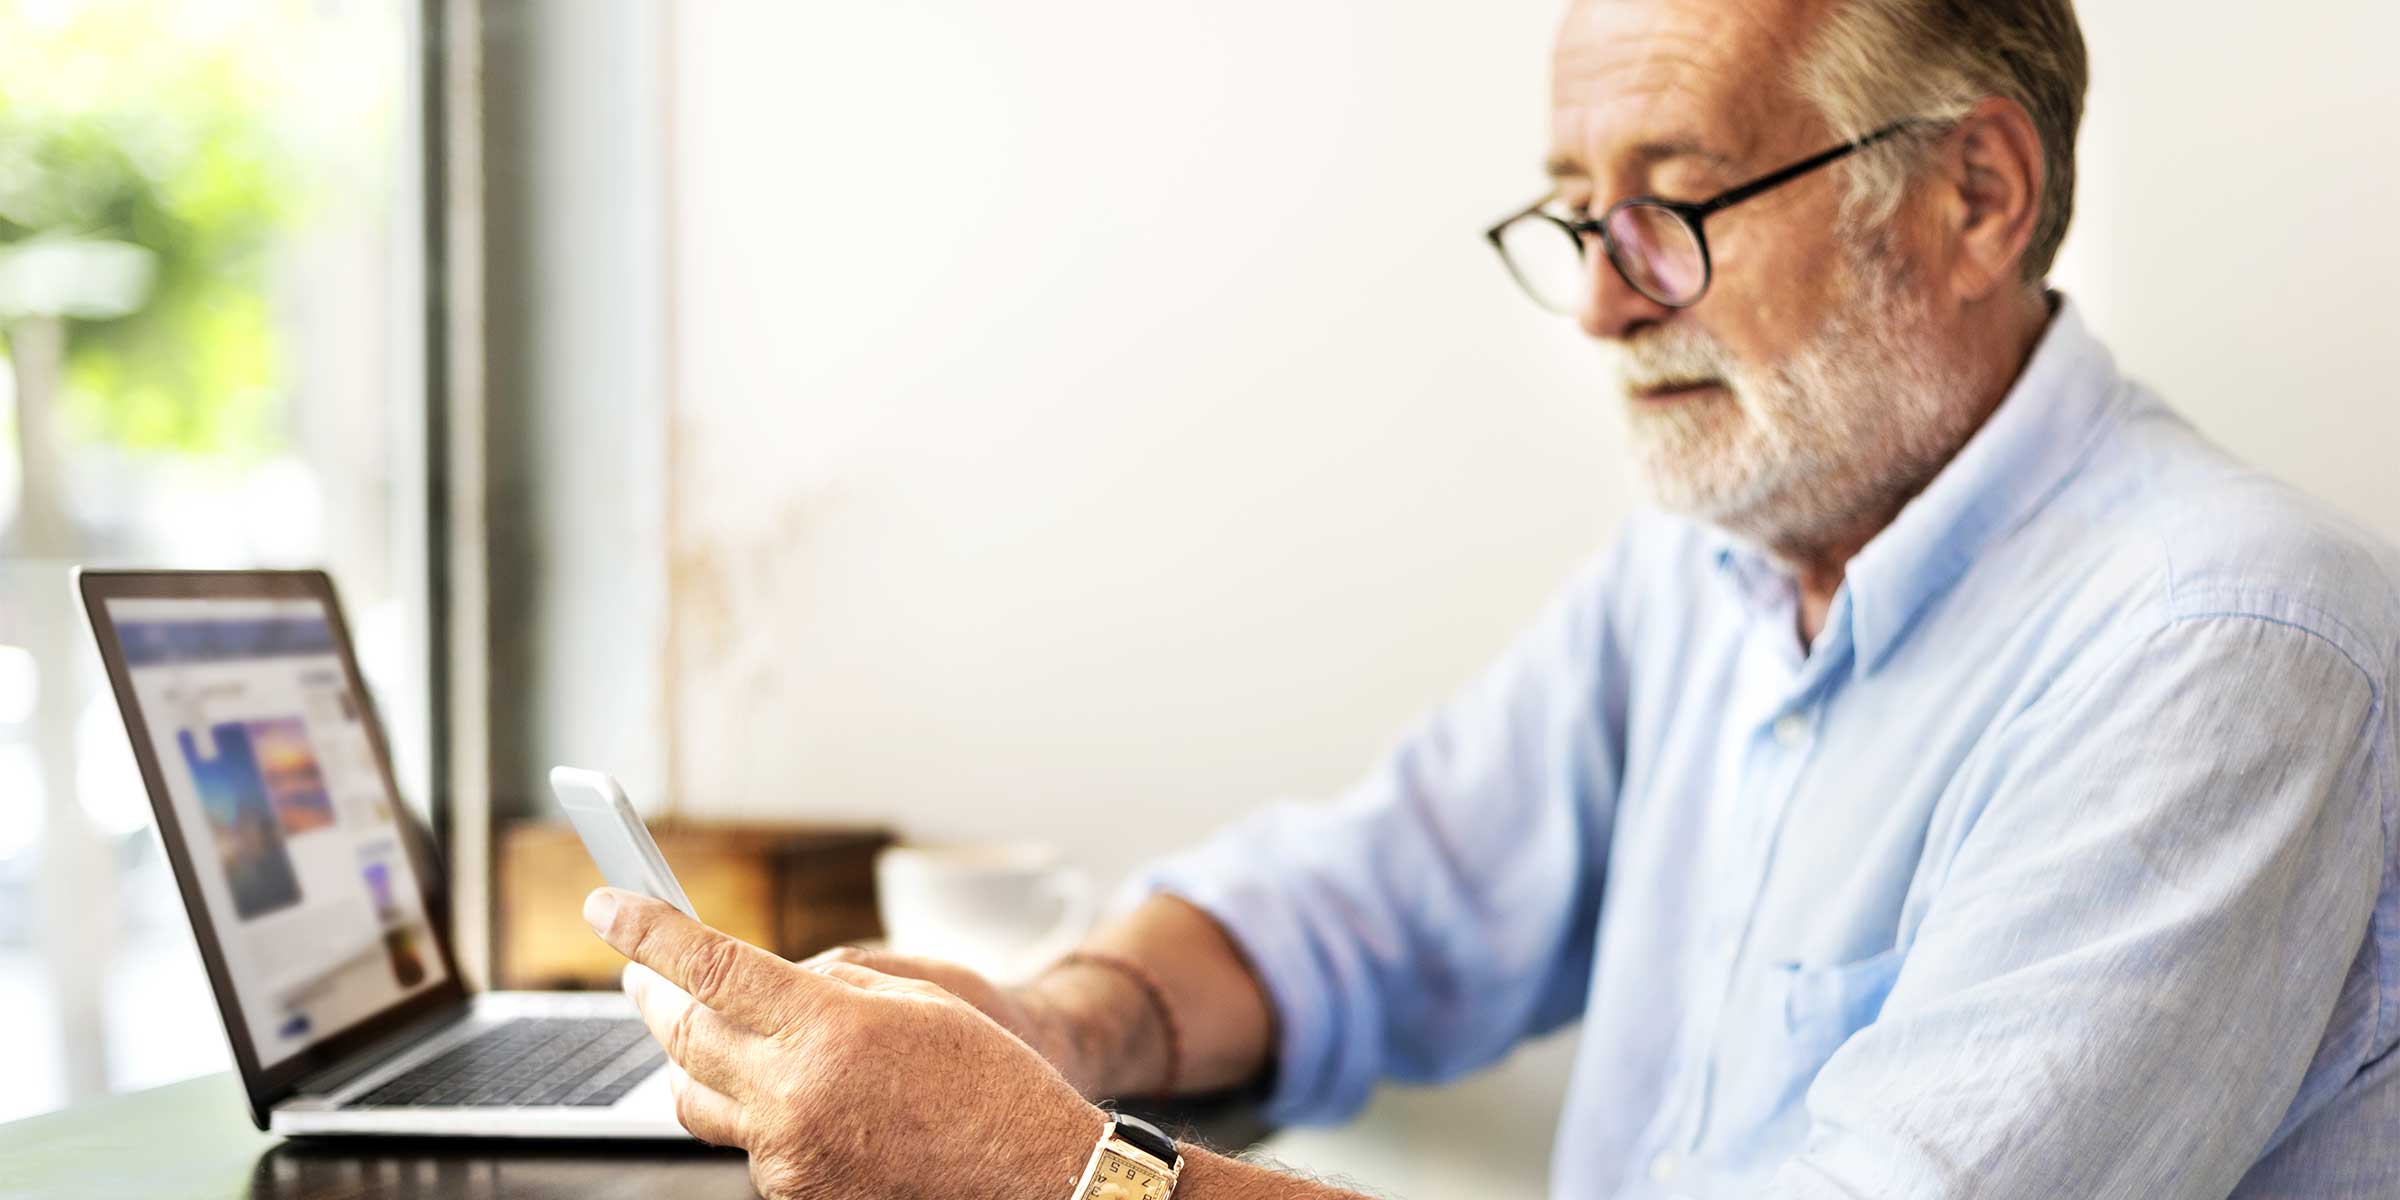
(1679,357)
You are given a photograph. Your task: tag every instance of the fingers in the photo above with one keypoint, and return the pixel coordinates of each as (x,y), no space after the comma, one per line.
(712,1050)
(885,962)
(881,960)
(706,1113)
(871,980)
(741,982)
(951,977)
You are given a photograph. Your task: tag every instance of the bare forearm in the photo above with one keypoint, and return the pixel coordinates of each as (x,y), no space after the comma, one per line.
(1209,1176)
(1104,1030)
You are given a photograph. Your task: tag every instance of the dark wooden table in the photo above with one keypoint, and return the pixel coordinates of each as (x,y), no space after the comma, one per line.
(194,1139)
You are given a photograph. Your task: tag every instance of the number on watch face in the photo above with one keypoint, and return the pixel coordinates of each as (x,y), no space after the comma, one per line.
(1120,1179)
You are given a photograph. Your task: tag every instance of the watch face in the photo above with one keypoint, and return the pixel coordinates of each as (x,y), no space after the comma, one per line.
(1120,1178)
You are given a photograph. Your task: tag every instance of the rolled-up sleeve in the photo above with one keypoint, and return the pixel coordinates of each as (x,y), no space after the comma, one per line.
(2141,941)
(1444,908)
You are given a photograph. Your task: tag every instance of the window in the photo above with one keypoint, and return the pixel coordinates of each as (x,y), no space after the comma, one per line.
(211,291)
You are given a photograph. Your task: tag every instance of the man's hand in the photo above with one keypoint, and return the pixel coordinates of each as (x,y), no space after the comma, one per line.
(1101,1028)
(842,1081)
(990,999)
(1035,1011)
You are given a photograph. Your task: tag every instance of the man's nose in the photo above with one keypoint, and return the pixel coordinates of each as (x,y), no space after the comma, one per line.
(1612,308)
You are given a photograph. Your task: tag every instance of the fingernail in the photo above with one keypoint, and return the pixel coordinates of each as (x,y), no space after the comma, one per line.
(598,908)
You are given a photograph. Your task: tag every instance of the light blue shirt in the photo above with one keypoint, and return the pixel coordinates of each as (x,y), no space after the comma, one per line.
(2059,866)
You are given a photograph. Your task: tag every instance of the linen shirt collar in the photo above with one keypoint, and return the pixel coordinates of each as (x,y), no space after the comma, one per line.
(2038,437)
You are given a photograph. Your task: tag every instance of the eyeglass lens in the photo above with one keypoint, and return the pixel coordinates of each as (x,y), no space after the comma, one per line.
(1658,252)
(1547,259)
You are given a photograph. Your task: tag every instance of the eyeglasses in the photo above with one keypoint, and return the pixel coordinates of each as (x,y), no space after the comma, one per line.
(1656,245)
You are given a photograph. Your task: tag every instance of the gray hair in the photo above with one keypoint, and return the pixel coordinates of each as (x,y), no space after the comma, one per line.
(1876,61)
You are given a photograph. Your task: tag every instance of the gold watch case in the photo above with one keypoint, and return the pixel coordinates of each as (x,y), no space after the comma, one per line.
(1121,1171)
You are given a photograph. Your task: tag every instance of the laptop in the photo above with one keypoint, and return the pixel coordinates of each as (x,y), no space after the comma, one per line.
(315,898)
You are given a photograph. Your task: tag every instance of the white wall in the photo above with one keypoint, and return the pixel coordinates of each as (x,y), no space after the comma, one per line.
(1090,419)
(1084,404)
(2235,238)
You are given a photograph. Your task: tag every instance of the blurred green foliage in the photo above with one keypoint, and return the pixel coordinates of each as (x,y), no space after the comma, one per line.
(109,131)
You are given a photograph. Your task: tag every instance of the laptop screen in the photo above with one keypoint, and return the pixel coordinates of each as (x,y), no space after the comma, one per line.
(274,782)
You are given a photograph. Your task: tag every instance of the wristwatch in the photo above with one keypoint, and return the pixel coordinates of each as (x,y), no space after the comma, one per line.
(1134,1161)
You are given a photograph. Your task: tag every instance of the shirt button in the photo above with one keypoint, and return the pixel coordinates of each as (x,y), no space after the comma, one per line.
(1663,1168)
(1791,730)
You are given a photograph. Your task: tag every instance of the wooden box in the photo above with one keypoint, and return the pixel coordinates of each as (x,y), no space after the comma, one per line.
(794,890)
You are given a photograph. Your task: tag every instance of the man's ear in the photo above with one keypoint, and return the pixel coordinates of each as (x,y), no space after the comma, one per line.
(1993,165)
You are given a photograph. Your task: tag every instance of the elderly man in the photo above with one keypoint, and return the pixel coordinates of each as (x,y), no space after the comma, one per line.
(1972,783)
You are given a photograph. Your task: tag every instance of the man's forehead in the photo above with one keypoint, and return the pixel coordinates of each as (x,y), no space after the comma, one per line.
(1645,76)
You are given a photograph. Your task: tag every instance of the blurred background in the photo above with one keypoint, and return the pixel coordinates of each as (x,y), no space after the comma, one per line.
(930,419)
(211,281)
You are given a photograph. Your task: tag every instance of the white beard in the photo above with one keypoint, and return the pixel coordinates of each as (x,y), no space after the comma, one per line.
(1806,450)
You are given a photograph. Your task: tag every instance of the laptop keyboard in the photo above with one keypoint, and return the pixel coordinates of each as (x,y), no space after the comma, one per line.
(583,1062)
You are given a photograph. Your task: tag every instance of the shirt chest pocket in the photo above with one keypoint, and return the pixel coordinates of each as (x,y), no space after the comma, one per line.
(1784,1022)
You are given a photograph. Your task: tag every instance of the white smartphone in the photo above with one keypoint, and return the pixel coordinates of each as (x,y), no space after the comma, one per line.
(620,845)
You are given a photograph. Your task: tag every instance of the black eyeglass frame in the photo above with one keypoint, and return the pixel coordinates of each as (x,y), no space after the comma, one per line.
(1693,216)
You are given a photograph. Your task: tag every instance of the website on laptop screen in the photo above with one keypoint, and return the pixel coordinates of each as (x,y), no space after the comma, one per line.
(274,784)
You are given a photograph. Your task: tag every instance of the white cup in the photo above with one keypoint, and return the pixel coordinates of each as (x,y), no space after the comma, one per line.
(1004,909)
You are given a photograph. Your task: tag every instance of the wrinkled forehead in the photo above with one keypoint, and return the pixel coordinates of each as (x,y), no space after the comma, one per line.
(1633,77)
